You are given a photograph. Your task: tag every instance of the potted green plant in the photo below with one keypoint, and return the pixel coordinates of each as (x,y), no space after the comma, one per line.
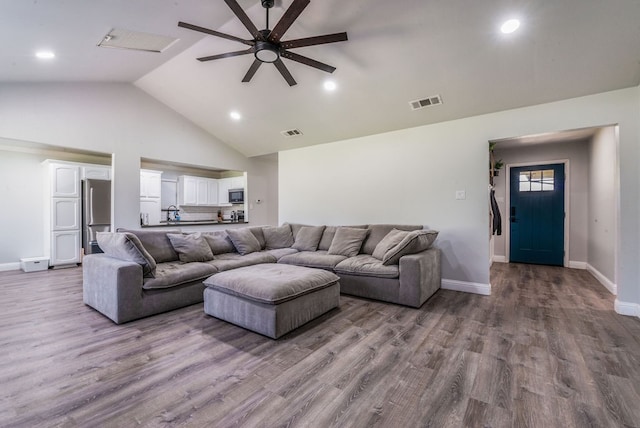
(497,165)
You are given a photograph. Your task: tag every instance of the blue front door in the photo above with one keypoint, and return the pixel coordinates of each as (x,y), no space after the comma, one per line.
(536,214)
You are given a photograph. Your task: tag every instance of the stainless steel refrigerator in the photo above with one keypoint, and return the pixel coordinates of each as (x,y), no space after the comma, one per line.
(96,212)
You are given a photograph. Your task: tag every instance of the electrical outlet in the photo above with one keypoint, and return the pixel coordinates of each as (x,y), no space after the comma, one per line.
(461,194)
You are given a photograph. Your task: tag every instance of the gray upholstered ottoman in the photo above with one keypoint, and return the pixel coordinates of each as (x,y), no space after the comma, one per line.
(271,299)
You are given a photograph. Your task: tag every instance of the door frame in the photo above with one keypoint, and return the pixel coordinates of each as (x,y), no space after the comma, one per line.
(567,206)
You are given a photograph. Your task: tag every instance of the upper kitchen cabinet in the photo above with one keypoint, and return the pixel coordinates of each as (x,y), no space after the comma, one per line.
(226,184)
(197,191)
(96,172)
(150,183)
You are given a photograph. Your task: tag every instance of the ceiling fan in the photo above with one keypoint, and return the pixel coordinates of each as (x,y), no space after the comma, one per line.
(267,45)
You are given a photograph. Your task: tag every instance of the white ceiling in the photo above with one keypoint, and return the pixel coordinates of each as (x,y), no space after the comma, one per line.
(397,51)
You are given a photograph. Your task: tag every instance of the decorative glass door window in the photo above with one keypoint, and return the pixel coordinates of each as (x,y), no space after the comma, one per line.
(536,181)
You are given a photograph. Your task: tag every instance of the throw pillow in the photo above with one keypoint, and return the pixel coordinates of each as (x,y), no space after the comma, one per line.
(219,242)
(244,240)
(277,237)
(390,240)
(127,246)
(347,241)
(191,247)
(414,242)
(308,238)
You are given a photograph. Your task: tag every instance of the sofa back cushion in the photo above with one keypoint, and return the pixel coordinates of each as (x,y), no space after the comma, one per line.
(219,242)
(127,246)
(308,238)
(259,235)
(329,233)
(156,243)
(277,237)
(414,242)
(379,231)
(347,241)
(190,247)
(244,240)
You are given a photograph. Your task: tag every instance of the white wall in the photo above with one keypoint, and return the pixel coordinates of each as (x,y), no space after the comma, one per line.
(410,176)
(603,165)
(578,172)
(116,119)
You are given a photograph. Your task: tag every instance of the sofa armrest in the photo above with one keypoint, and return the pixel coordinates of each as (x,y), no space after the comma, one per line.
(112,286)
(420,277)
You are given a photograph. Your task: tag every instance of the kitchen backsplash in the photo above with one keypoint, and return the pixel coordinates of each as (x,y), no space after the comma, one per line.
(194,213)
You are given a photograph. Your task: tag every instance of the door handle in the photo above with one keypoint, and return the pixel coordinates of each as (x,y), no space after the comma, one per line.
(513,215)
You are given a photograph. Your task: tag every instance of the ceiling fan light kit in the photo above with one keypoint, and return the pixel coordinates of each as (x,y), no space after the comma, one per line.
(266,45)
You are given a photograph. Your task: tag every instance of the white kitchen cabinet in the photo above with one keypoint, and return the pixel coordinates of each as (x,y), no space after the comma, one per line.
(197,191)
(96,172)
(64,179)
(65,248)
(238,182)
(150,183)
(212,191)
(224,184)
(65,214)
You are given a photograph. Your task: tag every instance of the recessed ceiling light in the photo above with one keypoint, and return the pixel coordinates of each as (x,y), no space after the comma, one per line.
(235,115)
(45,54)
(330,85)
(510,26)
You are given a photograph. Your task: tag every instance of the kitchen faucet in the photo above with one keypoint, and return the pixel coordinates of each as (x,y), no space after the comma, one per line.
(175,213)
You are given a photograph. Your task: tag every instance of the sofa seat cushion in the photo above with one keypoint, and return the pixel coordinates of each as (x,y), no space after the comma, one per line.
(313,259)
(171,274)
(227,261)
(366,265)
(271,283)
(281,252)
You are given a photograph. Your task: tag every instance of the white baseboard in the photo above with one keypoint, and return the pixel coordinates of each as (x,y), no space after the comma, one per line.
(467,287)
(9,266)
(613,288)
(577,265)
(627,308)
(500,259)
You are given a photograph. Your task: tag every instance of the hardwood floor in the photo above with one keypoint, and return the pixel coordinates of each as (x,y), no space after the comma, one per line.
(545,350)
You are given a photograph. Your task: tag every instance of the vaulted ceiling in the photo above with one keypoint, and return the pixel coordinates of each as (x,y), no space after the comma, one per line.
(397,51)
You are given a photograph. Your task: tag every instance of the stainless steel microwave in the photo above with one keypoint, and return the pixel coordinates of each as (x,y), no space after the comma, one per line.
(236,196)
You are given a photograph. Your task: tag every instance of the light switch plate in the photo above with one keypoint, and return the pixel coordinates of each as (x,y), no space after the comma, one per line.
(461,194)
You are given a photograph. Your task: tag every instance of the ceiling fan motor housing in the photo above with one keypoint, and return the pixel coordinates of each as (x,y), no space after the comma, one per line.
(268,4)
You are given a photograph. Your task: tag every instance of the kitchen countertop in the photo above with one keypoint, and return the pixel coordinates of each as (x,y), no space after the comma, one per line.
(193,223)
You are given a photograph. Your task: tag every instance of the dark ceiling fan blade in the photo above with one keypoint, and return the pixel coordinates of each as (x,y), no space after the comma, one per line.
(311,41)
(215,33)
(242,16)
(287,19)
(307,61)
(227,55)
(285,72)
(252,70)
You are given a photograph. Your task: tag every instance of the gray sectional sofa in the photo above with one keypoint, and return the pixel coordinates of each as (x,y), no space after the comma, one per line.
(146,272)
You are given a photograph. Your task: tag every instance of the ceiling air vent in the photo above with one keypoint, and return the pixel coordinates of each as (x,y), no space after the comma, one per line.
(126,39)
(291,133)
(433,100)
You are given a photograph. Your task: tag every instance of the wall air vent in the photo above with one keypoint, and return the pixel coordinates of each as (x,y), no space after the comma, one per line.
(291,133)
(126,39)
(433,100)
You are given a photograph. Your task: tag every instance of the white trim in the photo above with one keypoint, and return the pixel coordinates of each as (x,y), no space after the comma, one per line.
(499,259)
(613,288)
(577,265)
(9,266)
(627,308)
(567,207)
(467,287)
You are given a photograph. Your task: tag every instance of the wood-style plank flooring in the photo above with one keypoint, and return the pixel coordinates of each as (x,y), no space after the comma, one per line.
(545,350)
